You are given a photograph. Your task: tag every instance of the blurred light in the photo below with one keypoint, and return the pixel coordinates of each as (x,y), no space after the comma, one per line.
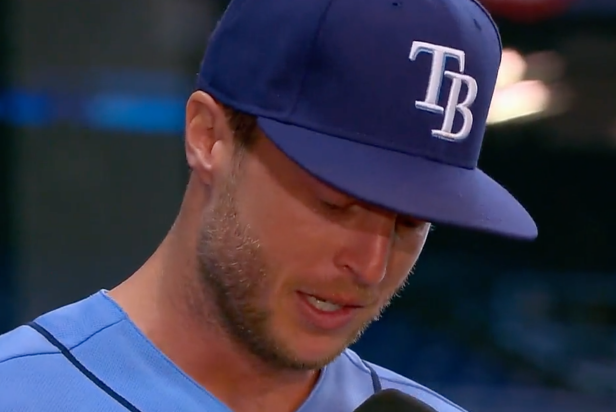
(522,99)
(23,107)
(512,69)
(545,65)
(135,113)
(522,89)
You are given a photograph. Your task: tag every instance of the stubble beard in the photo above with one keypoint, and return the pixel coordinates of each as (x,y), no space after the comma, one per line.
(233,276)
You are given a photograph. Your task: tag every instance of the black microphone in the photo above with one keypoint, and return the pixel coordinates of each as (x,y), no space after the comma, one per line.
(392,400)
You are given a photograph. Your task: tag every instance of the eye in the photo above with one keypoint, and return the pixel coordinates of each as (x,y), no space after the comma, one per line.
(334,207)
(407,223)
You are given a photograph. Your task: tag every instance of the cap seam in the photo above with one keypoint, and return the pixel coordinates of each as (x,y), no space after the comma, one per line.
(494,26)
(309,53)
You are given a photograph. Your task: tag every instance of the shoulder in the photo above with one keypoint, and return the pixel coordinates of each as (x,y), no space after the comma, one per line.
(34,373)
(390,379)
(22,344)
(72,325)
(26,364)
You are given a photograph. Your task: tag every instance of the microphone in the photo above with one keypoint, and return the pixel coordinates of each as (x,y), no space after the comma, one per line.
(392,400)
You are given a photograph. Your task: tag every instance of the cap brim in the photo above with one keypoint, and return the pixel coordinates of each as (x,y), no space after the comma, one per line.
(410,185)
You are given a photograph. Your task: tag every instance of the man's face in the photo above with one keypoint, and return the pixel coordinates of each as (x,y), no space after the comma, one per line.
(298,270)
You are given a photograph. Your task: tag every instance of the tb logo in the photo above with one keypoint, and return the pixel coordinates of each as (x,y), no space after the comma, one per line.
(437,72)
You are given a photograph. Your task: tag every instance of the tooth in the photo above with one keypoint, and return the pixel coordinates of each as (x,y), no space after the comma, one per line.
(323,305)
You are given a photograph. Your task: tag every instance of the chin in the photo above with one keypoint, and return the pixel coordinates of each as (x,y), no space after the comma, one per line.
(316,352)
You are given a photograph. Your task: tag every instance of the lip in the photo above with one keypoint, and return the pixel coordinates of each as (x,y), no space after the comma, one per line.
(338,300)
(328,321)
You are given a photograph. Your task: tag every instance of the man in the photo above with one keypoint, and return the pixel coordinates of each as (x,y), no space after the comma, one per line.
(325,137)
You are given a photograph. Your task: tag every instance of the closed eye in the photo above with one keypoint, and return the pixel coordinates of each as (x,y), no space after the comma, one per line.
(410,223)
(334,207)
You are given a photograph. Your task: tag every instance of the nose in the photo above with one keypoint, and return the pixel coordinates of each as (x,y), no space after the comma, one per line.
(366,250)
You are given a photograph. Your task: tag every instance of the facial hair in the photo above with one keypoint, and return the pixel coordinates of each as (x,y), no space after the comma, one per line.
(235,277)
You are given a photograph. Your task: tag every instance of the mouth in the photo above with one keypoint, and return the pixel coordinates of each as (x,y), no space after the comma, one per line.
(327,313)
(330,305)
(323,305)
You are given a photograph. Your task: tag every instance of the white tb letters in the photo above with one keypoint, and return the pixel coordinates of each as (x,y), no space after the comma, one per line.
(437,73)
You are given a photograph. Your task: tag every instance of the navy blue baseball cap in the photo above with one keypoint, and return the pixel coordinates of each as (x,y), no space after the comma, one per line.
(385,100)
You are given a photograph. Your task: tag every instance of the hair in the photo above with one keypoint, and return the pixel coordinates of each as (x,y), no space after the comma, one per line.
(244,127)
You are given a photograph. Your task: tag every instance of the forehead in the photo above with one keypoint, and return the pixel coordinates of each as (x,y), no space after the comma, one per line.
(284,170)
(297,181)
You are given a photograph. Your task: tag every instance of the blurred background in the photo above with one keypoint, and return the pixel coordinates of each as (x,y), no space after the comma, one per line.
(92,172)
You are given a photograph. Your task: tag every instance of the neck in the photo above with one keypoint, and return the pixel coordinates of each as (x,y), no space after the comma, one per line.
(164,300)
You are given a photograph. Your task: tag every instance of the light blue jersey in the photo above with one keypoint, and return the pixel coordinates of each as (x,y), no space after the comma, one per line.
(90,357)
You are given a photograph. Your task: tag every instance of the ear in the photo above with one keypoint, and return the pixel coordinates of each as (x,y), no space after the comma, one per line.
(207,135)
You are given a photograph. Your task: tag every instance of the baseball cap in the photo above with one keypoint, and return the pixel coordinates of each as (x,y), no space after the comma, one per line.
(385,100)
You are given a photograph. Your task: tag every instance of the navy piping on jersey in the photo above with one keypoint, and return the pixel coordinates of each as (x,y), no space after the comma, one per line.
(376,382)
(85,371)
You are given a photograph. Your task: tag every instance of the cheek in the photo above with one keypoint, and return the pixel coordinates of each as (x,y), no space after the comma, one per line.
(289,232)
(290,240)
(403,259)
(293,243)
(397,273)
